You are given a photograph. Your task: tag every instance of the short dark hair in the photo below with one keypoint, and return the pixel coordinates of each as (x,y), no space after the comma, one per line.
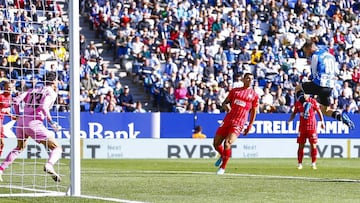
(5,83)
(246,74)
(197,128)
(49,77)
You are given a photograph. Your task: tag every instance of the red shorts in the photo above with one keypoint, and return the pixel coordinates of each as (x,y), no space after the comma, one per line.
(225,130)
(312,136)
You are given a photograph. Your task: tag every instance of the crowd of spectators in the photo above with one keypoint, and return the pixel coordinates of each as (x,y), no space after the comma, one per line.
(188,54)
(33,41)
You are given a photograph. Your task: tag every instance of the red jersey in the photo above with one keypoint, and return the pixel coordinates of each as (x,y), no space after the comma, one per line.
(356,76)
(241,100)
(5,102)
(307,125)
(164,48)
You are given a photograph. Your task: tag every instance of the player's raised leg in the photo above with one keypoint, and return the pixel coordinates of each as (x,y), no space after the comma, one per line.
(345,119)
(218,145)
(10,158)
(227,152)
(54,156)
(324,94)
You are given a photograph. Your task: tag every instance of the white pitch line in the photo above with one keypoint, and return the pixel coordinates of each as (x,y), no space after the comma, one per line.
(110,199)
(211,173)
(52,193)
(38,192)
(246,175)
(31,189)
(47,193)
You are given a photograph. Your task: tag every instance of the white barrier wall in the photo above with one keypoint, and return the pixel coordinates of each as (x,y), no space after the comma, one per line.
(191,148)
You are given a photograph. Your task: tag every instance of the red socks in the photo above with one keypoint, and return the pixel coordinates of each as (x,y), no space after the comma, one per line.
(313,155)
(300,154)
(225,158)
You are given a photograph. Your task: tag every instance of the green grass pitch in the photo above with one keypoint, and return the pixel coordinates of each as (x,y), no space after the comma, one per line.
(194,180)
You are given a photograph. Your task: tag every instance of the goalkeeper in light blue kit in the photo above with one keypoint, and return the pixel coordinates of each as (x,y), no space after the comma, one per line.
(324,70)
(37,105)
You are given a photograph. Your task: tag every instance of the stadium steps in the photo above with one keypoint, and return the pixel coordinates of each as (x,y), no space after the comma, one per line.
(136,88)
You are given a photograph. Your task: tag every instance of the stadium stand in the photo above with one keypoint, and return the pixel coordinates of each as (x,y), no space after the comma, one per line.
(159,48)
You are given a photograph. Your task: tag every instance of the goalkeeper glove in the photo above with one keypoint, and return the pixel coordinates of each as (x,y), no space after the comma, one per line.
(55,125)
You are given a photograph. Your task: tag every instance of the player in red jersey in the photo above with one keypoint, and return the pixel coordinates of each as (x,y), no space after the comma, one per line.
(307,129)
(238,104)
(5,103)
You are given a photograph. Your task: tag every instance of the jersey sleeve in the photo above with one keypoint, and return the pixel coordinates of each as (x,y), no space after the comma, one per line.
(296,107)
(231,96)
(17,101)
(255,102)
(314,65)
(1,101)
(315,105)
(48,103)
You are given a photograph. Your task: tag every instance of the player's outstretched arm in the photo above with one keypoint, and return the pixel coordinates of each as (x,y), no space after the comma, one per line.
(321,116)
(225,105)
(292,116)
(253,113)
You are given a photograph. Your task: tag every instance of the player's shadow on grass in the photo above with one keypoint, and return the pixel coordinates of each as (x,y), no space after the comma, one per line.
(337,181)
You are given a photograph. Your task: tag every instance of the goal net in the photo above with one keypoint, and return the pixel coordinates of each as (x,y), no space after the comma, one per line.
(35,39)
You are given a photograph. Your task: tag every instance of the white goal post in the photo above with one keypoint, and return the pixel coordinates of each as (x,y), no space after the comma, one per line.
(27,178)
(75,174)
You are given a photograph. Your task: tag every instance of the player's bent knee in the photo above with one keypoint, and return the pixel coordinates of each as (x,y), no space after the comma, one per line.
(228,143)
(52,145)
(20,148)
(217,141)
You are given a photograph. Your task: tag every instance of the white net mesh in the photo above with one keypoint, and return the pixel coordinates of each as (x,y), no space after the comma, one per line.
(34,41)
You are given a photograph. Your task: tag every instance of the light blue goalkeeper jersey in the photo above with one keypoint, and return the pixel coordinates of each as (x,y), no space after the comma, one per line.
(324,68)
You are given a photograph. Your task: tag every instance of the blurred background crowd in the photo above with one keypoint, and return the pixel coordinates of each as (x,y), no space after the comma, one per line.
(186,54)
